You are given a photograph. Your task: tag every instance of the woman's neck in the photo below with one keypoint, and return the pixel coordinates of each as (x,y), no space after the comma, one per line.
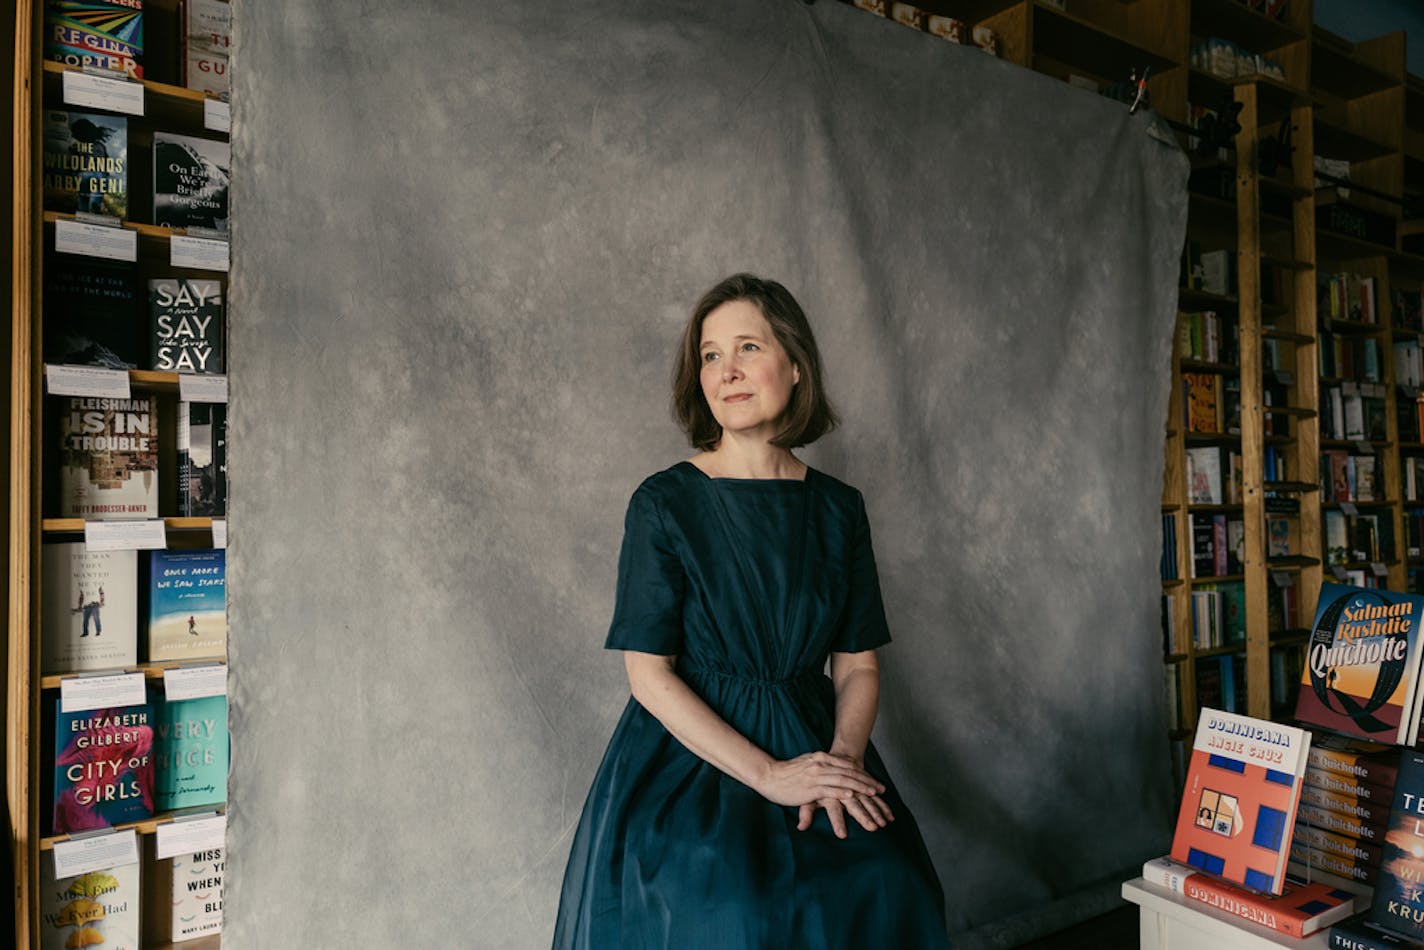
(731,459)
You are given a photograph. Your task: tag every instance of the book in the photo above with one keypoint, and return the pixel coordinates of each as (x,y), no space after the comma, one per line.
(108,458)
(1202,402)
(1299,911)
(186,600)
(1327,819)
(1356,933)
(1398,903)
(1348,785)
(92,313)
(1363,810)
(185,896)
(103,767)
(1352,869)
(191,753)
(1370,763)
(90,608)
(202,459)
(190,181)
(86,163)
(1240,800)
(185,325)
(97,909)
(1362,668)
(207,32)
(1364,852)
(99,34)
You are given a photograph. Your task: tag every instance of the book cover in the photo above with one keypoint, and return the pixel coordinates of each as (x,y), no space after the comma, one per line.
(86,163)
(90,609)
(1363,810)
(1349,785)
(1362,667)
(190,761)
(202,459)
(102,34)
(1369,763)
(1299,911)
(1240,800)
(98,909)
(186,897)
(207,28)
(1357,934)
(186,597)
(103,767)
(1328,819)
(92,313)
(1364,852)
(1399,893)
(1202,401)
(108,460)
(190,181)
(185,325)
(1204,476)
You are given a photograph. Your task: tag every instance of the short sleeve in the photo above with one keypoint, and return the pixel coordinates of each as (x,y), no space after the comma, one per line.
(647,610)
(862,625)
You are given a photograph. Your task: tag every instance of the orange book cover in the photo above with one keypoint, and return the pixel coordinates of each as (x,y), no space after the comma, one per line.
(1202,392)
(1239,805)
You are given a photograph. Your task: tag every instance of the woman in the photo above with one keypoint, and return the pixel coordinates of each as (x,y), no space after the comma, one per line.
(740,804)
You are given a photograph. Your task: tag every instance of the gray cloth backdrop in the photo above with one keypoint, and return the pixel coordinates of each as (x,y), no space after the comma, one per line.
(466,237)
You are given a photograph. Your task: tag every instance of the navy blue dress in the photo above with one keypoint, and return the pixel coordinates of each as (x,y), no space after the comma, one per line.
(752,583)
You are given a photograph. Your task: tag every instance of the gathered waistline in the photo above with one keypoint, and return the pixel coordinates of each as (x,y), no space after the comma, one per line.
(800,679)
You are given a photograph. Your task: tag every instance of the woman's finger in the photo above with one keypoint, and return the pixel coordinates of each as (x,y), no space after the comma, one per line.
(835,811)
(808,812)
(860,811)
(880,809)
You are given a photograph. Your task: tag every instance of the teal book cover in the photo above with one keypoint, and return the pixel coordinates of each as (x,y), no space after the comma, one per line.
(190,764)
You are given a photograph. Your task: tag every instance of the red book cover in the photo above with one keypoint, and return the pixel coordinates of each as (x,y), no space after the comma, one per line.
(1299,911)
(1239,805)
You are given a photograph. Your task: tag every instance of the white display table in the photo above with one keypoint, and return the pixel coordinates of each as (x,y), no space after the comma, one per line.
(1170,922)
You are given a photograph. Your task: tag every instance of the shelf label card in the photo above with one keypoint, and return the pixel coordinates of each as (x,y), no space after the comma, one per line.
(206,388)
(82,693)
(195,682)
(151,535)
(1285,378)
(103,92)
(1379,568)
(220,533)
(1282,578)
(217,115)
(95,381)
(1349,387)
(198,253)
(1349,509)
(81,855)
(1339,572)
(190,835)
(1364,448)
(95,240)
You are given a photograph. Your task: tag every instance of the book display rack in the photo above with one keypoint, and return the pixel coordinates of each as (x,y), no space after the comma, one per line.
(117,457)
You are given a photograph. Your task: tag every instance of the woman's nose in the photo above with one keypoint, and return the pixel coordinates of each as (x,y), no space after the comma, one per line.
(730,370)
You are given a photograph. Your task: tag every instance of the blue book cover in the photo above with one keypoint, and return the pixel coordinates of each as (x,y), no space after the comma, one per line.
(1399,891)
(190,761)
(103,767)
(187,605)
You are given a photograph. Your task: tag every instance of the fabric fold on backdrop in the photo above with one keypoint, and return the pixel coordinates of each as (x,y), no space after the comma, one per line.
(465,239)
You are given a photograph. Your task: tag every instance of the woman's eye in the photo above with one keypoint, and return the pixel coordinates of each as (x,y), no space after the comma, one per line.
(750,347)
(708,357)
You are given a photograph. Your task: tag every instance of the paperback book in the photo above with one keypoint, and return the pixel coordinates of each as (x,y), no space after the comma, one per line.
(108,459)
(103,767)
(1368,763)
(86,165)
(92,313)
(186,596)
(185,325)
(1300,910)
(190,765)
(1240,801)
(1362,664)
(1352,869)
(1357,933)
(190,181)
(100,34)
(202,459)
(1399,893)
(90,609)
(98,909)
(186,896)
(207,29)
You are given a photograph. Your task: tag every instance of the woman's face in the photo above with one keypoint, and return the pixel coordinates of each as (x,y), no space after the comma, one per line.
(747,377)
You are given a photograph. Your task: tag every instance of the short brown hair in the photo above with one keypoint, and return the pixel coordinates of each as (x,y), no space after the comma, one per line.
(808,417)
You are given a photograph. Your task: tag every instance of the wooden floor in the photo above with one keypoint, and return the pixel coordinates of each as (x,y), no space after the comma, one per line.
(1113,931)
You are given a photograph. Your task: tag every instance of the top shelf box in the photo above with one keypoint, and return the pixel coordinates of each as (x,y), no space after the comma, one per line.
(1336,68)
(1233,20)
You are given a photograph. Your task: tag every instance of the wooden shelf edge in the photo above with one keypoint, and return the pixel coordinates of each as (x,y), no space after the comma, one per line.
(162,89)
(76,525)
(151,671)
(145,826)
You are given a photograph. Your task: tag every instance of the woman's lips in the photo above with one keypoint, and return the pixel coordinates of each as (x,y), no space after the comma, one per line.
(737,397)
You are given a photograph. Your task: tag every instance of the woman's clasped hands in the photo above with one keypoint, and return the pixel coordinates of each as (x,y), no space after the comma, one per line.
(837,783)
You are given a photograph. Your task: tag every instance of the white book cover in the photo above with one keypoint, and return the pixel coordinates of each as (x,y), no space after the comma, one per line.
(208,28)
(108,464)
(1204,475)
(99,909)
(197,895)
(90,609)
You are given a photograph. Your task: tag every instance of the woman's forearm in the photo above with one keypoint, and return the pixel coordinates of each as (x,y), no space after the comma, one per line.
(857,683)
